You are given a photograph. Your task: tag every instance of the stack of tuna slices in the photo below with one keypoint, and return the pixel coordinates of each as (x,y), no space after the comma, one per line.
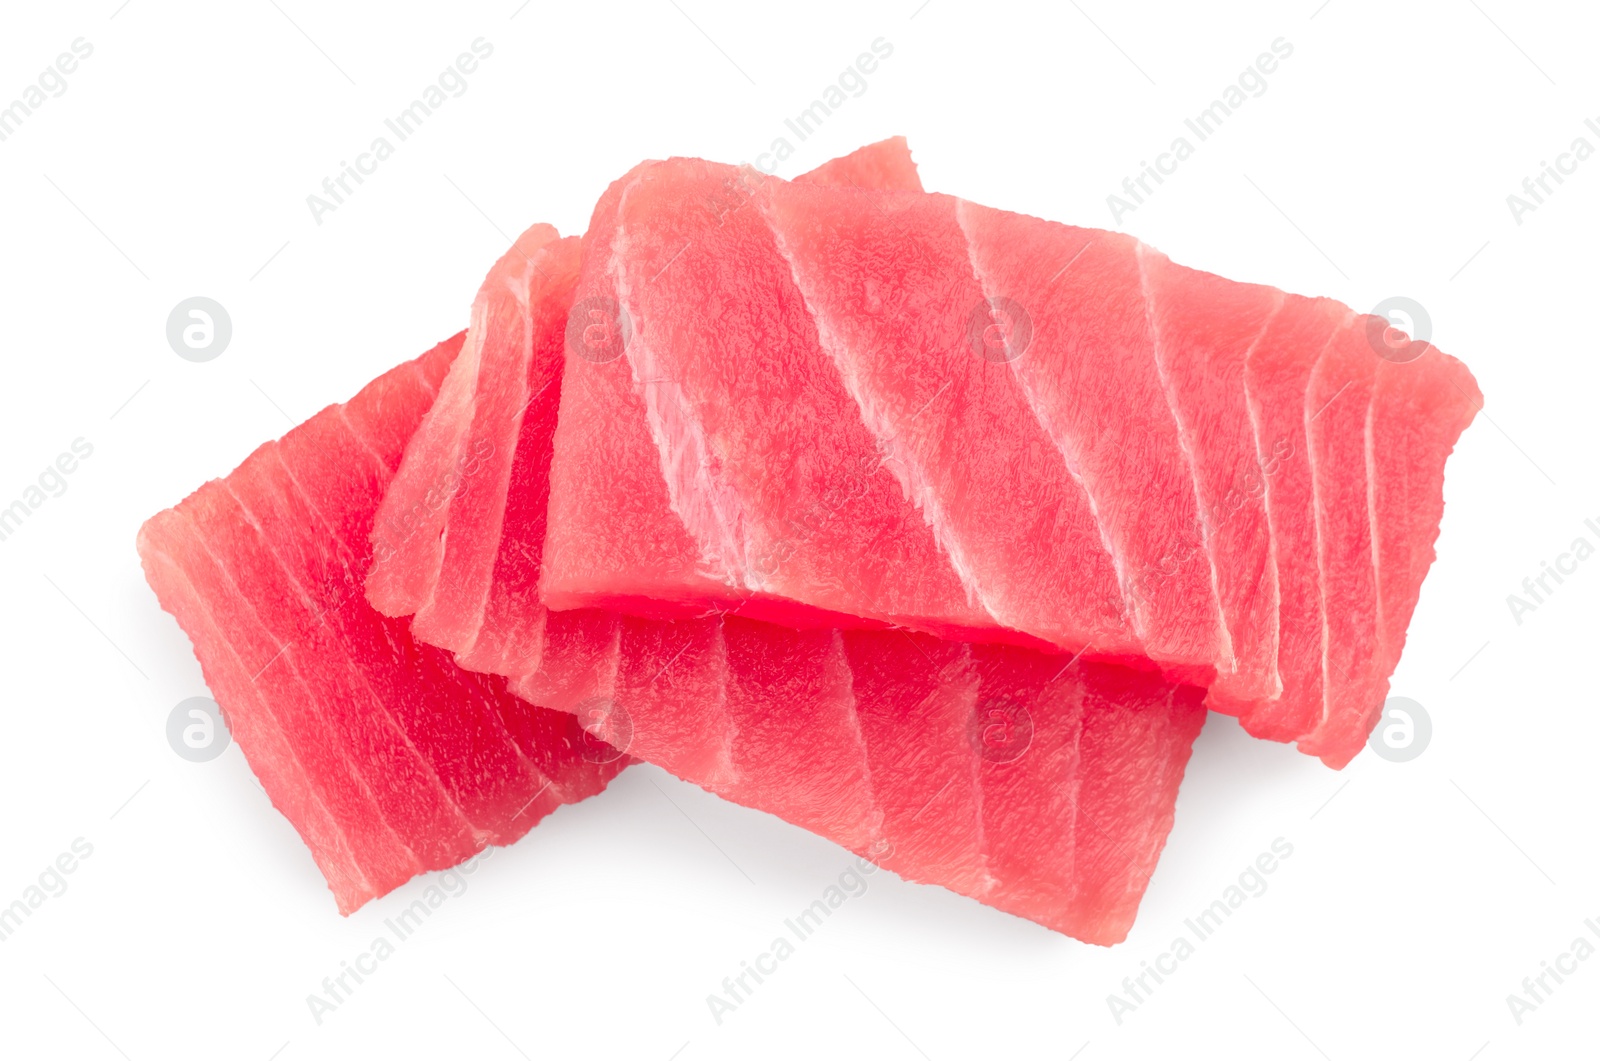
(928,527)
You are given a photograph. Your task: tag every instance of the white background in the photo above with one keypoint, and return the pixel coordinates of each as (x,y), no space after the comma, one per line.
(1377,163)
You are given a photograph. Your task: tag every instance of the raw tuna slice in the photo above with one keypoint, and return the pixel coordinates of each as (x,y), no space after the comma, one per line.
(1204,327)
(623,522)
(387,758)
(752,484)
(889,282)
(1040,785)
(1084,352)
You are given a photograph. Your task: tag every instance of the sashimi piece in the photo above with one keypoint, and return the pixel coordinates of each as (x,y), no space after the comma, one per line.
(1137,373)
(767,462)
(624,521)
(1277,376)
(1037,784)
(1421,400)
(888,280)
(1091,375)
(387,758)
(1204,328)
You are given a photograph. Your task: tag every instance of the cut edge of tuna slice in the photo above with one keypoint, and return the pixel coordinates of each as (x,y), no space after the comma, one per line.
(287,669)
